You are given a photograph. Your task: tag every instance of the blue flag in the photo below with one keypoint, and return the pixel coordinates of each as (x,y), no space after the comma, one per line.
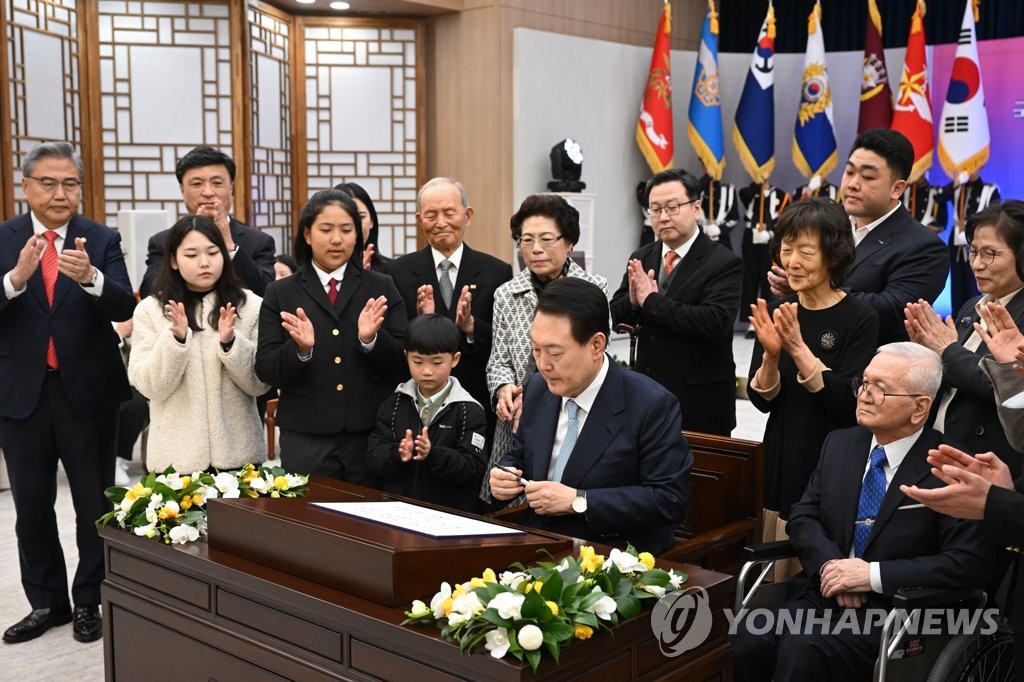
(705,128)
(814,141)
(754,128)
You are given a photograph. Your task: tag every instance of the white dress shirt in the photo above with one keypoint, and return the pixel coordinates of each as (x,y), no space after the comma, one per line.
(860,232)
(585,401)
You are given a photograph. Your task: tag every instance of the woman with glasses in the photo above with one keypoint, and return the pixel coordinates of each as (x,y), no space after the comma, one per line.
(545,228)
(809,346)
(966,408)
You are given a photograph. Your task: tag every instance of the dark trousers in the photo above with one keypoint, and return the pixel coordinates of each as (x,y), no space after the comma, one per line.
(133,417)
(820,653)
(962,284)
(757,261)
(335,455)
(85,446)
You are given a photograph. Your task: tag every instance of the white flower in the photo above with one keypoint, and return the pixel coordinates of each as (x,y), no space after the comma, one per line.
(227,484)
(419,609)
(210,492)
(120,516)
(465,605)
(183,534)
(603,607)
(260,485)
(512,579)
(437,603)
(456,618)
(151,515)
(497,642)
(658,592)
(563,565)
(156,500)
(530,637)
(149,531)
(126,505)
(675,579)
(172,506)
(624,561)
(172,481)
(294,480)
(508,604)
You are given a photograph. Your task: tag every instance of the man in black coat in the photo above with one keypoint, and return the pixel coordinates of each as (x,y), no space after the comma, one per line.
(683,292)
(207,179)
(898,259)
(61,381)
(443,212)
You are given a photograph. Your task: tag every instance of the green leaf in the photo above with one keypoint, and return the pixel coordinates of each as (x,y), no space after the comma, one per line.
(115,495)
(552,588)
(491,616)
(533,604)
(559,631)
(656,577)
(587,618)
(533,658)
(628,606)
(553,648)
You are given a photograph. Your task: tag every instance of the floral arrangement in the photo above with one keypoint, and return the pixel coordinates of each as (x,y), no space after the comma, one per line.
(173,506)
(548,605)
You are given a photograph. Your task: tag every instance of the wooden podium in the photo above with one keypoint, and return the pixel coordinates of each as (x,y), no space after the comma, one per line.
(284,591)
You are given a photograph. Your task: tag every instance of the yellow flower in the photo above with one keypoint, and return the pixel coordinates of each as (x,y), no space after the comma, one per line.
(281,483)
(186,503)
(647,559)
(489,576)
(135,492)
(583,631)
(250,475)
(168,513)
(447,606)
(197,498)
(185,481)
(553,606)
(477,582)
(589,560)
(536,586)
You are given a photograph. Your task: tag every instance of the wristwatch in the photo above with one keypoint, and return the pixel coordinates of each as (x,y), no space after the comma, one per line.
(92,281)
(579,504)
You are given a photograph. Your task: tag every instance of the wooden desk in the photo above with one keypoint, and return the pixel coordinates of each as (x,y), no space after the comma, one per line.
(195,613)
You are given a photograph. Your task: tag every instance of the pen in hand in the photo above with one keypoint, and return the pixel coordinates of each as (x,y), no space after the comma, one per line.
(522,481)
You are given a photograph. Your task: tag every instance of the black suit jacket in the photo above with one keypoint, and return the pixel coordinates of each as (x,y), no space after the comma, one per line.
(686,339)
(971,418)
(915,547)
(899,261)
(87,346)
(341,386)
(630,458)
(483,274)
(254,260)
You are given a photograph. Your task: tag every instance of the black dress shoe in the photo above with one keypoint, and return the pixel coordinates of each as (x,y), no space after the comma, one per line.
(36,623)
(88,627)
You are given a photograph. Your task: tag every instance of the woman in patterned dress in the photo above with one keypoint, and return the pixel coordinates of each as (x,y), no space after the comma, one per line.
(546,228)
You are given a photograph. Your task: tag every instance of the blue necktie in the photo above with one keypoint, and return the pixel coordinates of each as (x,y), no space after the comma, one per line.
(445,282)
(871,493)
(571,409)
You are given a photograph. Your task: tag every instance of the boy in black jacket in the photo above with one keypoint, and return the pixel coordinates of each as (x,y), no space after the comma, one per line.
(429,440)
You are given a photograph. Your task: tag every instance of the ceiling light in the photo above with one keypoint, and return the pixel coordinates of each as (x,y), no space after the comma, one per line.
(340,5)
(305,2)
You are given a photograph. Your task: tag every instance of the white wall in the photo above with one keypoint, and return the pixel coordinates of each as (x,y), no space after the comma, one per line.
(590,90)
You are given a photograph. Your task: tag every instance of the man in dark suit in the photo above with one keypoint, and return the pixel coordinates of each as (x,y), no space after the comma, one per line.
(683,292)
(451,279)
(598,446)
(207,179)
(860,538)
(61,381)
(898,259)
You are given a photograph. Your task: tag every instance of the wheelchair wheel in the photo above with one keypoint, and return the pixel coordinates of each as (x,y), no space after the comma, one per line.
(974,657)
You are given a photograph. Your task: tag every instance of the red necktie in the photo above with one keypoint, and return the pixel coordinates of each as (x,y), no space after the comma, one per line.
(670,261)
(48,265)
(332,293)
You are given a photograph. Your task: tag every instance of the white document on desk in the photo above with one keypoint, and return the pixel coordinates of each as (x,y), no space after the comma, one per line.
(423,520)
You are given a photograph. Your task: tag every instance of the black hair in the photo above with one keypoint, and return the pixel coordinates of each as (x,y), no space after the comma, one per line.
(203,156)
(892,146)
(1008,220)
(313,208)
(356,191)
(287,261)
(825,218)
(581,301)
(431,334)
(566,218)
(171,286)
(689,180)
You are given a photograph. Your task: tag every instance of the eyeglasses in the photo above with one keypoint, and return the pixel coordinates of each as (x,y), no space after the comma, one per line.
(876,394)
(987,254)
(667,209)
(545,240)
(70,185)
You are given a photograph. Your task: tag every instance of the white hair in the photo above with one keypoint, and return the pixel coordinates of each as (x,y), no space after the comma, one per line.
(924,373)
(438,181)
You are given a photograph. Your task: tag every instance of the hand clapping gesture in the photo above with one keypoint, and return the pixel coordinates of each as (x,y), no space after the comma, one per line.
(368,256)
(300,329)
(28,261)
(371,319)
(641,284)
(410,450)
(464,313)
(226,323)
(74,263)
(764,326)
(175,312)
(925,326)
(1002,336)
(425,300)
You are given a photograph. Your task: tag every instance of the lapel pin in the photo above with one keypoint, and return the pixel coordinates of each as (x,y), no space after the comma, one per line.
(472,287)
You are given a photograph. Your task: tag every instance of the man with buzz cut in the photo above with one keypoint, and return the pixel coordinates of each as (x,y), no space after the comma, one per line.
(207,180)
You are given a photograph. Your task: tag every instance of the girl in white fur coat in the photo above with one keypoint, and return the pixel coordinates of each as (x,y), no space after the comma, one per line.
(193,356)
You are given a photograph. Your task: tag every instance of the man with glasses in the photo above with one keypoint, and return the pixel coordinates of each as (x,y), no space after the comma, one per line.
(681,294)
(449,278)
(858,536)
(206,177)
(61,382)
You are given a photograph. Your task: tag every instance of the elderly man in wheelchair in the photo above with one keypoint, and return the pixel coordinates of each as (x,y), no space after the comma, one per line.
(861,541)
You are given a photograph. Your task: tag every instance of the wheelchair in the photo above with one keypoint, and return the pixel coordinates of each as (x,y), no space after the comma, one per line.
(903,656)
